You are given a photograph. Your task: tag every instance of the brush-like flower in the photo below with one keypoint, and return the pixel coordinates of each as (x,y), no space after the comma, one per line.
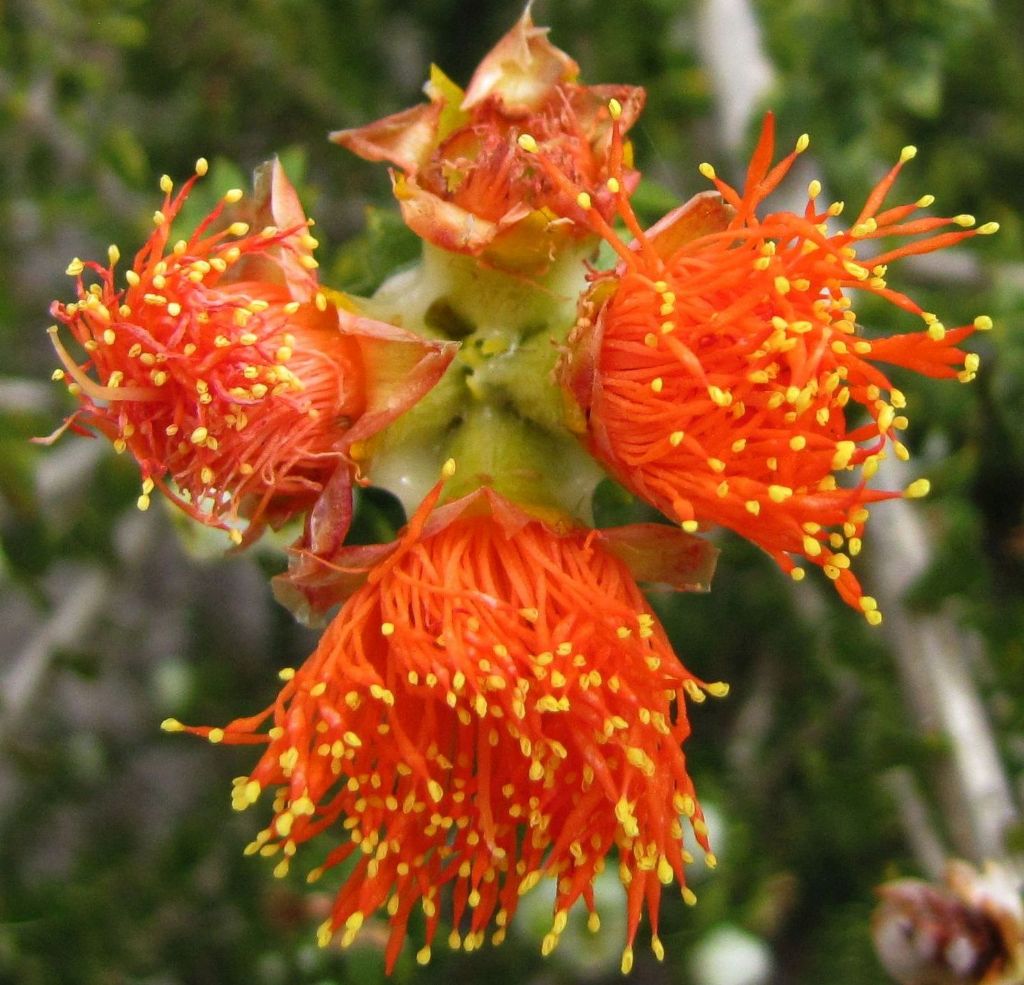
(225,370)
(467,185)
(495,705)
(722,374)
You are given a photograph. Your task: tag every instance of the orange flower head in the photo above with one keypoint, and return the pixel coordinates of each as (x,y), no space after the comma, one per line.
(495,705)
(468,184)
(722,375)
(218,364)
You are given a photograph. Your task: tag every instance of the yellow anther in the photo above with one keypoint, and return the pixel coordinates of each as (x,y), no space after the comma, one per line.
(690,526)
(719,396)
(983,323)
(202,166)
(925,201)
(448,469)
(233,195)
(814,189)
(908,153)
(665,873)
(613,185)
(171,725)
(812,546)
(707,170)
(583,201)
(199,435)
(324,933)
(803,142)
(614,108)
(215,735)
(627,960)
(166,185)
(917,489)
(988,228)
(527,143)
(964,219)
(843,453)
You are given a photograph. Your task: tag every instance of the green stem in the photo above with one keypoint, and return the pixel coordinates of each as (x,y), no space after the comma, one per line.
(498,410)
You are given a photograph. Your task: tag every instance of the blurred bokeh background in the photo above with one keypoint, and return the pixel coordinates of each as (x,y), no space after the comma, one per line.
(844,755)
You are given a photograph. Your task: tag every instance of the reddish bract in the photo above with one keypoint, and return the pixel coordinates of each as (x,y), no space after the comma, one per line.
(467,185)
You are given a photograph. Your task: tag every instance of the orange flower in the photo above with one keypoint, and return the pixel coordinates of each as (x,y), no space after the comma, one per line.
(717,366)
(221,365)
(495,705)
(467,185)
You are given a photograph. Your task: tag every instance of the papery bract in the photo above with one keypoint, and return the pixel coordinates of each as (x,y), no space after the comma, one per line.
(495,705)
(967,930)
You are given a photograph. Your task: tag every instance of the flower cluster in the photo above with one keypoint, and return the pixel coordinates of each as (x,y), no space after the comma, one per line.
(733,338)
(495,703)
(224,368)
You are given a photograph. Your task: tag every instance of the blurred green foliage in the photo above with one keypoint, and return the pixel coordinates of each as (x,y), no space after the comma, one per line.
(120,860)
